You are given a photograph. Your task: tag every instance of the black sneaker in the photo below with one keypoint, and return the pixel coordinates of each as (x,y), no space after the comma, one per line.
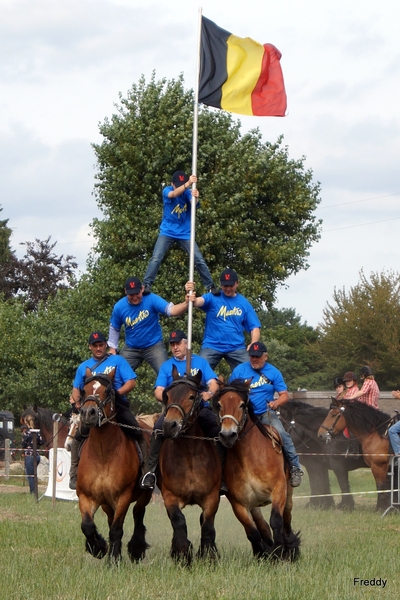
(148,481)
(295,476)
(147,290)
(214,290)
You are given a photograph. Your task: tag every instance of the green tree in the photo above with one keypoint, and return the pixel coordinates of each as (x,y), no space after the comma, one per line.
(362,327)
(257,205)
(5,234)
(292,347)
(256,213)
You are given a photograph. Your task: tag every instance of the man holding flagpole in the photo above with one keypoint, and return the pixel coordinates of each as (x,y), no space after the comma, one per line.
(175,228)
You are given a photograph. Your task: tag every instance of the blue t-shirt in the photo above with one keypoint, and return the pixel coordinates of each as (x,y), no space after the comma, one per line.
(176,214)
(164,377)
(141,321)
(226,320)
(123,371)
(264,384)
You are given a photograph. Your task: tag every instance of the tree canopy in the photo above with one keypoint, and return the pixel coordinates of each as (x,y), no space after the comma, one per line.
(256,215)
(257,204)
(362,327)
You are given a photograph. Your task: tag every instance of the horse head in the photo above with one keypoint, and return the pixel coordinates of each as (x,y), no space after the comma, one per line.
(182,399)
(30,418)
(98,399)
(334,422)
(73,427)
(231,403)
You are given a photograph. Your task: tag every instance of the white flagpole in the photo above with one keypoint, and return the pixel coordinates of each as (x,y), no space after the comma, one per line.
(193,202)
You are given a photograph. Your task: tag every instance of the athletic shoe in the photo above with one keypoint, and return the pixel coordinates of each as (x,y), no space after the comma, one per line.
(214,290)
(295,476)
(147,290)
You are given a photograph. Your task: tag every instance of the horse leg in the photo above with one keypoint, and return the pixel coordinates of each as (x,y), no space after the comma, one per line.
(262,526)
(260,548)
(292,540)
(286,542)
(137,545)
(379,471)
(319,482)
(117,528)
(181,547)
(342,475)
(95,543)
(208,548)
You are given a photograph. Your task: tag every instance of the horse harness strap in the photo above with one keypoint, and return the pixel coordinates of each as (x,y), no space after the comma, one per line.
(196,403)
(110,398)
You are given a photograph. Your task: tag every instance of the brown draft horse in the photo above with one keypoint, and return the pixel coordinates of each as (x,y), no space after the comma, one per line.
(256,475)
(42,418)
(369,426)
(108,474)
(189,468)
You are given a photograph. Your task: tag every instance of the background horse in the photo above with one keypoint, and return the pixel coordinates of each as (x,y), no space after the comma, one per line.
(108,474)
(189,468)
(255,474)
(302,421)
(369,426)
(42,418)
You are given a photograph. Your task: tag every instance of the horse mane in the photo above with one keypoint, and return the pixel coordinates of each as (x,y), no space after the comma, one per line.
(365,418)
(238,385)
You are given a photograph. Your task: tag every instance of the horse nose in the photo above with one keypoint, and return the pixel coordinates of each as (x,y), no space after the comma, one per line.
(89,415)
(171,428)
(228,438)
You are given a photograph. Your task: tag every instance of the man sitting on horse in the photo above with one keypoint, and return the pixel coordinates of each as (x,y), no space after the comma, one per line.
(207,419)
(265,381)
(123,382)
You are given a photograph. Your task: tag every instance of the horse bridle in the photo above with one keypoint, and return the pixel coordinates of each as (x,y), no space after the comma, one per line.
(329,430)
(101,404)
(186,417)
(245,397)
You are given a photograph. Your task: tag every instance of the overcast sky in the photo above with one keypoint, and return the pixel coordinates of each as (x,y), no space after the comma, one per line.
(63,65)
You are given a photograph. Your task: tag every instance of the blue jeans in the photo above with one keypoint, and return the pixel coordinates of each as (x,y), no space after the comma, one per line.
(270,418)
(162,246)
(154,355)
(29,471)
(234,358)
(394,436)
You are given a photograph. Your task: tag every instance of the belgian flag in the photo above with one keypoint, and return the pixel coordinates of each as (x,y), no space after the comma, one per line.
(240,75)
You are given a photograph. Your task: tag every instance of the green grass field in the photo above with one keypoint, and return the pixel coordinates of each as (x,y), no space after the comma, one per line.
(43,557)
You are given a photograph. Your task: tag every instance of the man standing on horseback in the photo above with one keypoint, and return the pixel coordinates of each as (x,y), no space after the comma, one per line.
(207,419)
(175,228)
(265,381)
(123,382)
(228,315)
(139,314)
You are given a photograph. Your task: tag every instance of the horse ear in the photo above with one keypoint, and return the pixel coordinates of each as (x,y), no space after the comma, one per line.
(35,408)
(175,374)
(247,382)
(111,375)
(198,377)
(88,373)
